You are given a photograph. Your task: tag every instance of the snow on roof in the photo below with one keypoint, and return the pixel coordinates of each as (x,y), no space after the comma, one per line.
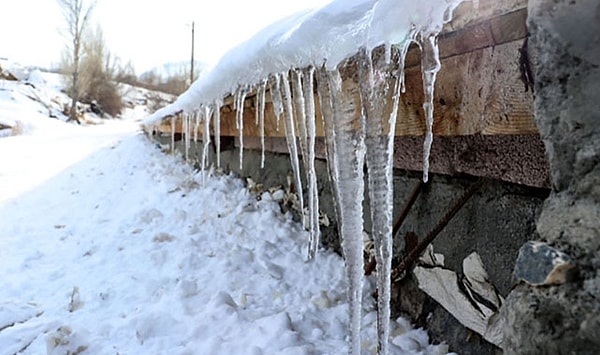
(323,36)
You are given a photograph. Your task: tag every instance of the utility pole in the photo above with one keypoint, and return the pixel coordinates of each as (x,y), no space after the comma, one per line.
(192,63)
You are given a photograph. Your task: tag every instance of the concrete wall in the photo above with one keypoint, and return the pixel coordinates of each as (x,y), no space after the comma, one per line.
(497,220)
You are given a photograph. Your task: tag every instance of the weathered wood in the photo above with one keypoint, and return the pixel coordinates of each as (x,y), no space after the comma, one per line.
(490,32)
(467,13)
(519,159)
(476,93)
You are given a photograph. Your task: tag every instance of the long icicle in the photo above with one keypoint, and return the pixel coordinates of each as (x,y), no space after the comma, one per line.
(186,130)
(325,104)
(430,65)
(261,119)
(196,126)
(305,109)
(217,128)
(240,98)
(290,134)
(300,119)
(349,149)
(173,123)
(311,132)
(206,137)
(276,98)
(374,87)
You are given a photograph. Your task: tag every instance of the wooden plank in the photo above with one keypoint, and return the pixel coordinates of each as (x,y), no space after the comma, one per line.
(516,158)
(466,14)
(477,93)
(491,32)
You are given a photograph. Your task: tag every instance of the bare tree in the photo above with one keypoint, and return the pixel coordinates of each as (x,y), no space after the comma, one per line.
(97,72)
(77,14)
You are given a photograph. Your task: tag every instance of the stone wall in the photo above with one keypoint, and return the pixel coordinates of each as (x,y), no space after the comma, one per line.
(564,318)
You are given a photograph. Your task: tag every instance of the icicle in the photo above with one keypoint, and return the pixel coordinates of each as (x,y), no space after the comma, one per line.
(206,137)
(240,98)
(173,134)
(305,117)
(260,109)
(186,132)
(349,150)
(430,65)
(256,113)
(290,134)
(196,125)
(327,115)
(217,128)
(374,87)
(313,193)
(298,105)
(276,98)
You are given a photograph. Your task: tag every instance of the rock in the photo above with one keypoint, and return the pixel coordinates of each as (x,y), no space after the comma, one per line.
(539,264)
(562,318)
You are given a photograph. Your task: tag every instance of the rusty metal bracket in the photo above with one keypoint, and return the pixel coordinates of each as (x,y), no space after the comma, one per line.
(370,267)
(415,253)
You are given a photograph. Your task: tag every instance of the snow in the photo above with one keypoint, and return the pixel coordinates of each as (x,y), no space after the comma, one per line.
(108,244)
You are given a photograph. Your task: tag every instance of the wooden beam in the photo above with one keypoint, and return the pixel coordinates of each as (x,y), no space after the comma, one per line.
(516,158)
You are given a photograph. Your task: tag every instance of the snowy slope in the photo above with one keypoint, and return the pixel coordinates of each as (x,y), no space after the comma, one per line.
(108,245)
(30,100)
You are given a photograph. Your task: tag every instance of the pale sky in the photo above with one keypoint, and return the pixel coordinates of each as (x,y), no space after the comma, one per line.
(147,32)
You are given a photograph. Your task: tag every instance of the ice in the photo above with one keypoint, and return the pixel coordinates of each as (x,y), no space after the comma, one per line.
(173,121)
(290,133)
(304,112)
(324,94)
(196,125)
(313,192)
(375,82)
(217,127)
(260,109)
(430,64)
(206,137)
(276,98)
(186,132)
(240,98)
(349,147)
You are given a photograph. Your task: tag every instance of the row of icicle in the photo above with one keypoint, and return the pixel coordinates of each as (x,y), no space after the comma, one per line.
(349,145)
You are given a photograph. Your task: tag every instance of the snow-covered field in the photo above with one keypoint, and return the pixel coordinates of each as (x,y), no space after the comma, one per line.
(109,246)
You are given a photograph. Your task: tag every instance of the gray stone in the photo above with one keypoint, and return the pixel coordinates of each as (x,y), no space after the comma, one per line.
(551,320)
(564,319)
(539,264)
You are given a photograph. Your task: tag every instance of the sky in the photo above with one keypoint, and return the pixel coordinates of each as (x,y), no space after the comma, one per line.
(147,33)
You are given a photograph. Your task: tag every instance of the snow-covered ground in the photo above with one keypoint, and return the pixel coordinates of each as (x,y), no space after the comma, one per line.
(109,246)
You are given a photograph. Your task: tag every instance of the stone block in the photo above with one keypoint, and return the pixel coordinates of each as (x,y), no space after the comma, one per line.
(539,264)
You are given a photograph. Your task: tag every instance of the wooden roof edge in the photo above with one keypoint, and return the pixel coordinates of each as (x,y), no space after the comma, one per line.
(494,23)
